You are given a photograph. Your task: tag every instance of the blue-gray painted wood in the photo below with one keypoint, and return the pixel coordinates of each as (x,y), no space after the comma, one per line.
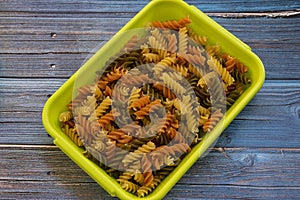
(46,173)
(95,6)
(261,157)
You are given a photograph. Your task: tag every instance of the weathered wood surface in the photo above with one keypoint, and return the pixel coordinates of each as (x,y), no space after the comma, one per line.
(257,156)
(117,6)
(263,111)
(76,39)
(243,174)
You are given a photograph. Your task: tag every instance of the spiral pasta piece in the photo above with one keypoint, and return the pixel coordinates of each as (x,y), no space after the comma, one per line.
(65,116)
(213,51)
(181,69)
(171,24)
(241,78)
(202,40)
(173,151)
(232,63)
(135,94)
(131,44)
(125,176)
(160,38)
(139,103)
(172,43)
(107,118)
(159,48)
(73,135)
(150,91)
(212,121)
(98,145)
(163,65)
(139,177)
(167,93)
(135,80)
(110,149)
(85,131)
(195,70)
(151,107)
(216,65)
(147,172)
(183,40)
(143,191)
(84,90)
(129,186)
(103,107)
(151,57)
(194,59)
(115,74)
(173,85)
(137,154)
(120,137)
(194,50)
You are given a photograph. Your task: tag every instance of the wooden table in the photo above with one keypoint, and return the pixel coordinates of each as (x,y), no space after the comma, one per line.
(44,42)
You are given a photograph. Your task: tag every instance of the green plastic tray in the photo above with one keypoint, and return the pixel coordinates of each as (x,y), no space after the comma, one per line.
(156,10)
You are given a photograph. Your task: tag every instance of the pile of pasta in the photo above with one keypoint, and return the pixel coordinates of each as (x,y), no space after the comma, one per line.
(152,103)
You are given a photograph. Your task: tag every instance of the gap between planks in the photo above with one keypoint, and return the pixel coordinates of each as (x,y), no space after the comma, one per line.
(276,14)
(290,13)
(29,146)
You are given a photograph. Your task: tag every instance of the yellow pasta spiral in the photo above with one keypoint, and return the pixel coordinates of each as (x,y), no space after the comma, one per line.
(129,186)
(173,85)
(73,135)
(103,106)
(151,57)
(138,153)
(183,40)
(138,177)
(217,66)
(65,116)
(159,37)
(164,64)
(159,48)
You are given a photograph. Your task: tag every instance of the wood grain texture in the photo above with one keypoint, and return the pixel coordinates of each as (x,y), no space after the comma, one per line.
(77,39)
(274,111)
(40,172)
(101,6)
(43,43)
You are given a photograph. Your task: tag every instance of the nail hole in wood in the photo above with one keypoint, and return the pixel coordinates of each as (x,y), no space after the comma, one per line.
(50,173)
(53,35)
(52,66)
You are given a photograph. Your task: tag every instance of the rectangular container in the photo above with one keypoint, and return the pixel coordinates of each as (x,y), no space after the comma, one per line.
(156,10)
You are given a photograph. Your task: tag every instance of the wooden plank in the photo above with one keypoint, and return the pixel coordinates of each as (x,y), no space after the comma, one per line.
(252,173)
(232,192)
(274,111)
(74,42)
(268,30)
(67,6)
(259,151)
(61,65)
(29,133)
